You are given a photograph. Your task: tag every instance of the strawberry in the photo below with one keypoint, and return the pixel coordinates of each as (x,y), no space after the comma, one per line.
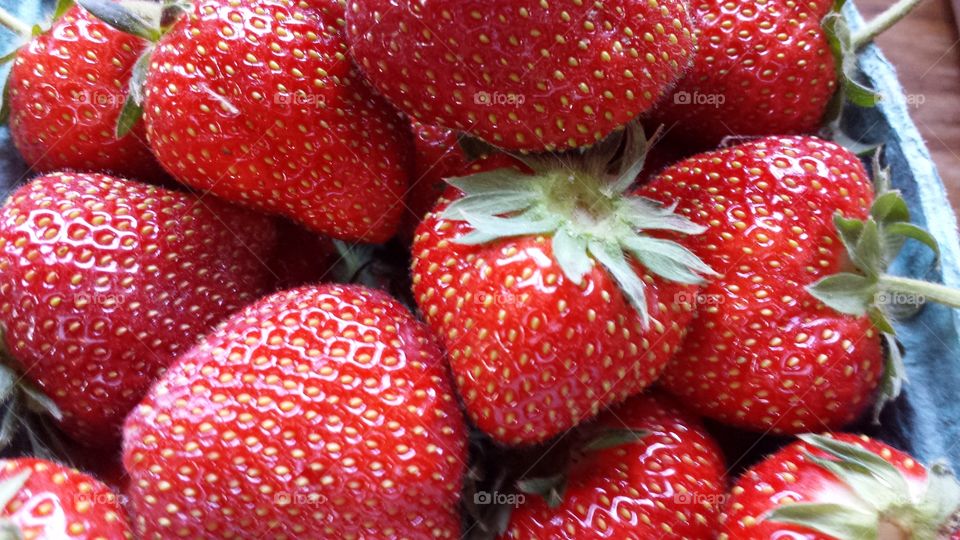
(760,68)
(105,281)
(767,351)
(665,480)
(321,412)
(65,93)
(438,155)
(551,300)
(523,75)
(840,487)
(301,257)
(44,500)
(769,68)
(257,103)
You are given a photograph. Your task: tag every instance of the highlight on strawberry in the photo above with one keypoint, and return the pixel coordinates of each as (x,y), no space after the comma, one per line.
(103,282)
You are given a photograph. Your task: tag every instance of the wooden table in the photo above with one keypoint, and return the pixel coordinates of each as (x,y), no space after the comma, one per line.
(926,51)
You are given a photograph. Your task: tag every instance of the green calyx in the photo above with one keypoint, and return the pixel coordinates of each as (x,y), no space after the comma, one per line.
(871,245)
(886,505)
(580,200)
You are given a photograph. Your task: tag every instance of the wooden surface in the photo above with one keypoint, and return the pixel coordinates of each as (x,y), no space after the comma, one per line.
(925,49)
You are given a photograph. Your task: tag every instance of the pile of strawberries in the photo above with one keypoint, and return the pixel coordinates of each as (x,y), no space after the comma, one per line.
(206,304)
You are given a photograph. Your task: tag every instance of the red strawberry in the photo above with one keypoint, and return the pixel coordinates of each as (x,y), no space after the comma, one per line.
(44,500)
(760,68)
(770,68)
(523,75)
(438,156)
(551,301)
(322,412)
(764,351)
(66,90)
(841,487)
(105,281)
(257,103)
(667,483)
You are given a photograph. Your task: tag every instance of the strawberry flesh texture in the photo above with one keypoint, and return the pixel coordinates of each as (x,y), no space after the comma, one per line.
(258,104)
(522,75)
(533,353)
(67,87)
(669,484)
(769,63)
(105,281)
(789,476)
(60,502)
(761,352)
(333,398)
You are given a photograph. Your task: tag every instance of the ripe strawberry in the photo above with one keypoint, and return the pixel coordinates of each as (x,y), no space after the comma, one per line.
(840,487)
(522,75)
(321,412)
(770,68)
(550,299)
(256,102)
(105,281)
(765,350)
(44,500)
(66,90)
(760,68)
(438,156)
(668,482)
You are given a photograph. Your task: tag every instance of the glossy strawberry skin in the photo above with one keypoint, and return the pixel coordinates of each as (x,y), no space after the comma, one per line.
(322,412)
(670,484)
(67,87)
(760,69)
(258,104)
(105,281)
(533,354)
(522,75)
(59,502)
(761,352)
(789,476)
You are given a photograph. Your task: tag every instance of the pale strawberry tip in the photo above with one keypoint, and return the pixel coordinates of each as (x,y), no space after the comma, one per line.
(886,507)
(580,200)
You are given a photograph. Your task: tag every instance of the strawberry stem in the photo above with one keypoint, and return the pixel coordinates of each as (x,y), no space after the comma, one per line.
(15,25)
(882,22)
(924,289)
